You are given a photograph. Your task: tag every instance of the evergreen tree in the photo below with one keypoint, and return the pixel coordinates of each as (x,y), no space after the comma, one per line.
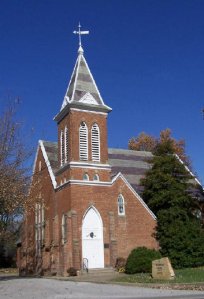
(166,191)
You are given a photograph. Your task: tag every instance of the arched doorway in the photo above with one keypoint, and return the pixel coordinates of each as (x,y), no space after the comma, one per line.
(92,239)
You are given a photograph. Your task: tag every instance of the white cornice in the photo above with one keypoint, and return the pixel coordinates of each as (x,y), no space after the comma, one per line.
(88,111)
(35,160)
(76,164)
(54,183)
(190,172)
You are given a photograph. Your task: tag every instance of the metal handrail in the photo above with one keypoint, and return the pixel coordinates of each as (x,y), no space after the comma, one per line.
(85,264)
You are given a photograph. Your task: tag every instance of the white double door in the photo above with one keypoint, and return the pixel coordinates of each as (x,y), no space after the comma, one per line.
(92,239)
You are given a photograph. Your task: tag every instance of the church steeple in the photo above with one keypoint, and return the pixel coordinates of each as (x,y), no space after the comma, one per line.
(82,125)
(82,91)
(82,88)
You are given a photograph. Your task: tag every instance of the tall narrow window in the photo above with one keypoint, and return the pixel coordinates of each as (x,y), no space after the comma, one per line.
(62,147)
(121,205)
(95,143)
(83,142)
(39,226)
(64,228)
(66,145)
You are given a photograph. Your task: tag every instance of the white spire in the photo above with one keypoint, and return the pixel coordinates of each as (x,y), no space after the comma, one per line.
(79,32)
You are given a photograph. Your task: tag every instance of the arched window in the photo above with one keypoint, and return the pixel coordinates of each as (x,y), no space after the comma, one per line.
(83,142)
(95,143)
(96,177)
(64,228)
(66,144)
(62,147)
(121,205)
(85,177)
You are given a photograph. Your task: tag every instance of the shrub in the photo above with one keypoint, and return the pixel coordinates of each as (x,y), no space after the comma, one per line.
(140,260)
(120,264)
(72,271)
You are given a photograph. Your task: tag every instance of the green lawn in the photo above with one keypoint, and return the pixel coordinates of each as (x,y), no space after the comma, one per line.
(191,275)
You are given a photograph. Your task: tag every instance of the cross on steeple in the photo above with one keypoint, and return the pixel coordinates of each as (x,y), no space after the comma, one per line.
(79,32)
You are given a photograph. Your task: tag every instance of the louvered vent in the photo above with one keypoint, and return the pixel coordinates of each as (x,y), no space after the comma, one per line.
(83,142)
(95,143)
(62,148)
(66,144)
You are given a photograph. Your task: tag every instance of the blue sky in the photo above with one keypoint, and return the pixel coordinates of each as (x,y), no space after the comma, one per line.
(147,58)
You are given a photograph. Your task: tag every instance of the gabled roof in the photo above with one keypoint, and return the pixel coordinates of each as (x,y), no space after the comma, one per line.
(133,165)
(82,88)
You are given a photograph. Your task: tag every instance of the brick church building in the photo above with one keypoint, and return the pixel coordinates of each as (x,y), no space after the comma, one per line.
(89,211)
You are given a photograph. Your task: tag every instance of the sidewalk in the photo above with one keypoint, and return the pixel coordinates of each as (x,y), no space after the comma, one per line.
(109,279)
(91,277)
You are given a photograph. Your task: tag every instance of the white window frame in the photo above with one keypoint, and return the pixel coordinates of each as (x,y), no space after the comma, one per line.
(66,144)
(62,152)
(121,205)
(83,142)
(39,226)
(86,177)
(96,177)
(95,143)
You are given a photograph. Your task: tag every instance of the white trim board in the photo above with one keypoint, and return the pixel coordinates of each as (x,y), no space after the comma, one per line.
(54,183)
(76,164)
(88,111)
(190,172)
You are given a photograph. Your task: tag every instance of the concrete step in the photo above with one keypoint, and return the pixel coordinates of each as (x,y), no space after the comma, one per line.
(99,272)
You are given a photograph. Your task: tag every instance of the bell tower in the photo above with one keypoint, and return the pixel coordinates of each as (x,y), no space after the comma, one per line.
(82,126)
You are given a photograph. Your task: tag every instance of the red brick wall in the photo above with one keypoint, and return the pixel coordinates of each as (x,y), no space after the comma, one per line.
(77,174)
(121,233)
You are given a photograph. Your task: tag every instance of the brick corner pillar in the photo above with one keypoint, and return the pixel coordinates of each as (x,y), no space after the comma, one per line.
(75,242)
(113,240)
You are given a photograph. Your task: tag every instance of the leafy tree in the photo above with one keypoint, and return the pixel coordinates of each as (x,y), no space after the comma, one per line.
(13,173)
(166,191)
(14,180)
(145,142)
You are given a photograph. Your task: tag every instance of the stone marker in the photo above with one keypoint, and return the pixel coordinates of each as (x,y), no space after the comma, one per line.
(162,269)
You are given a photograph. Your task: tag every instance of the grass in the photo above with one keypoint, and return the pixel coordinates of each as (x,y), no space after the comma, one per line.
(190,275)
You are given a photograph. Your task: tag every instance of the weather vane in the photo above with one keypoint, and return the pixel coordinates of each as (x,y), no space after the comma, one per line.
(79,32)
